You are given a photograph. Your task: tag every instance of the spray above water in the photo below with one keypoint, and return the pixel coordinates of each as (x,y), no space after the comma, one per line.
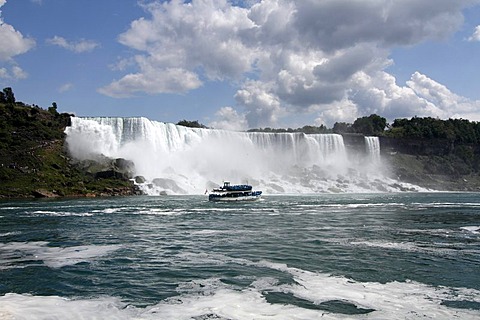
(179,160)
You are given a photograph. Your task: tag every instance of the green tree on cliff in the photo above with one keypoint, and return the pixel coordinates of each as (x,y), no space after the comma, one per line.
(191,124)
(371,125)
(7,96)
(342,127)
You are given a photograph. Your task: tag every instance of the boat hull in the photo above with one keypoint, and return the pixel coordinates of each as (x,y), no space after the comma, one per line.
(231,197)
(229,193)
(227,199)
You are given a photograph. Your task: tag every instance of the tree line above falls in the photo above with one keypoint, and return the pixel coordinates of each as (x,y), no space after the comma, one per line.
(439,154)
(455,130)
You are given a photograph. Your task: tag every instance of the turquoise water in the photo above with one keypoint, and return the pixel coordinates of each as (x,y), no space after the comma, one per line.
(357,256)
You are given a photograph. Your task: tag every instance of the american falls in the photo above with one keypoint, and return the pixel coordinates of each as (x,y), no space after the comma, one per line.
(173,159)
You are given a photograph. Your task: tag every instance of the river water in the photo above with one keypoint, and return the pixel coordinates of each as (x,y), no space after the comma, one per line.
(328,256)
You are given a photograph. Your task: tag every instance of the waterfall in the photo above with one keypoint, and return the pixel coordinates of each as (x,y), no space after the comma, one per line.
(373,148)
(177,159)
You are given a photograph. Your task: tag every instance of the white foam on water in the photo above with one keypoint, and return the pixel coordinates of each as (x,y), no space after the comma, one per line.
(223,304)
(230,304)
(472,229)
(210,232)
(390,300)
(436,249)
(217,209)
(11,208)
(353,205)
(404,246)
(62,213)
(423,205)
(109,210)
(393,300)
(12,233)
(161,212)
(19,307)
(13,253)
(213,299)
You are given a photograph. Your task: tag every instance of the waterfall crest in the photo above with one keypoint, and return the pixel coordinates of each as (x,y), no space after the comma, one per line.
(373,148)
(181,160)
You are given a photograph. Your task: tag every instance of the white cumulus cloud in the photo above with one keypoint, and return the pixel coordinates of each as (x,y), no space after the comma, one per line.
(476,34)
(19,73)
(13,43)
(180,39)
(75,46)
(261,102)
(65,87)
(324,58)
(447,103)
(4,73)
(228,118)
(152,81)
(14,73)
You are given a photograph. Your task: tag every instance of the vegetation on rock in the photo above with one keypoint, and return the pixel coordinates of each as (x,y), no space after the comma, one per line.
(33,160)
(191,124)
(304,129)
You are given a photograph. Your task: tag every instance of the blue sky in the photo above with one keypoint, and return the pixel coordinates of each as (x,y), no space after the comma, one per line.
(237,65)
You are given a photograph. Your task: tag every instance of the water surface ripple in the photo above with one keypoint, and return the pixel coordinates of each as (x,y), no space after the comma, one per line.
(358,256)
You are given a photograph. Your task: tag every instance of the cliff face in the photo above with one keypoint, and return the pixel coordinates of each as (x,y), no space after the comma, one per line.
(437,164)
(33,161)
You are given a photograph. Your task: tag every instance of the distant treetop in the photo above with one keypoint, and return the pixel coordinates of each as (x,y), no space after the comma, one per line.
(7,96)
(191,124)
(304,129)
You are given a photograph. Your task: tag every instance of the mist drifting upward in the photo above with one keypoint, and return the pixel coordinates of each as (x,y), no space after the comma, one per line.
(179,160)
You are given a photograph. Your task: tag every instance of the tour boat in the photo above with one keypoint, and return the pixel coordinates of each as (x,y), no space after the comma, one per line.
(239,192)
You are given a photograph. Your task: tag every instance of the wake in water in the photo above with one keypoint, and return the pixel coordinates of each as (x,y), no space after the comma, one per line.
(179,160)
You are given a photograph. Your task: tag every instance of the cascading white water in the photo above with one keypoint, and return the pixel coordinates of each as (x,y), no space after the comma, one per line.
(373,148)
(177,159)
